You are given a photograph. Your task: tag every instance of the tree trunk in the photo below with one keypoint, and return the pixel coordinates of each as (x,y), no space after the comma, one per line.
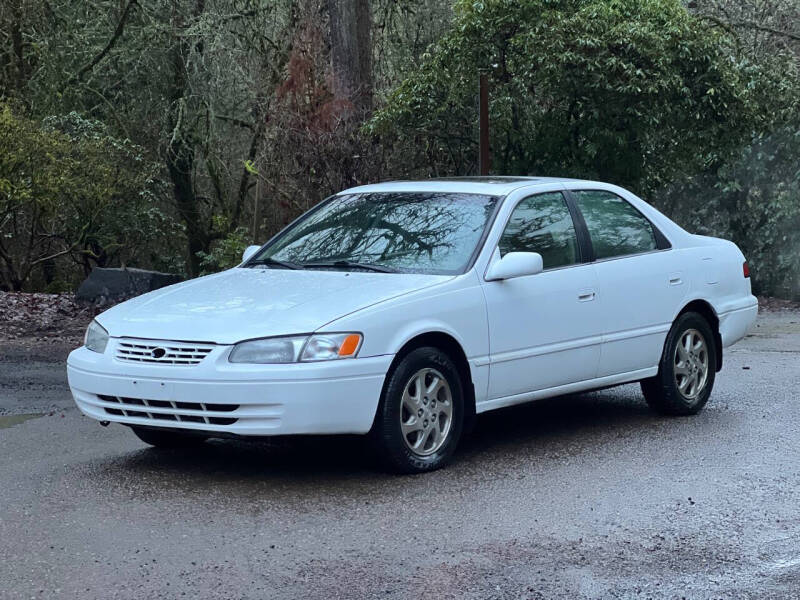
(19,49)
(180,159)
(180,152)
(351,52)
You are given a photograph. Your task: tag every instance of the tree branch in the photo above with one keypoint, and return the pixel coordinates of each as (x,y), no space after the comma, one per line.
(729,25)
(765,29)
(117,34)
(235,121)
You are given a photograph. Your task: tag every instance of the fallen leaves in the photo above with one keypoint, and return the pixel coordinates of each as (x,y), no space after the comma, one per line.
(45,317)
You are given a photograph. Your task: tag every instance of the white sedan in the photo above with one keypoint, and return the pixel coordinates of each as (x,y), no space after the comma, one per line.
(401,310)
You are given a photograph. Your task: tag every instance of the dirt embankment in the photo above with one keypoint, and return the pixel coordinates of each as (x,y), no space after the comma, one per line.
(41,327)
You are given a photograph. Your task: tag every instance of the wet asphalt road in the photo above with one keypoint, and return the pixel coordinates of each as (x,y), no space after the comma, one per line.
(588,496)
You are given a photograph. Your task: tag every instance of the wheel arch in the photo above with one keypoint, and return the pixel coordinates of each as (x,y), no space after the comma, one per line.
(704,308)
(453,348)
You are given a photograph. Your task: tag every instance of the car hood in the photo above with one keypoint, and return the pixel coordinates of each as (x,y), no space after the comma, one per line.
(246,303)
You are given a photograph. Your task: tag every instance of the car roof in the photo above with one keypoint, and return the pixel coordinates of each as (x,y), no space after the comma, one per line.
(490,185)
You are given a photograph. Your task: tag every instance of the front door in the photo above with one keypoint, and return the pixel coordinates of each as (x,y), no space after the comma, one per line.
(544,330)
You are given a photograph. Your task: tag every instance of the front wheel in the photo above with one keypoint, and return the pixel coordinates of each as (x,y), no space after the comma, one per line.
(421,412)
(168,439)
(686,373)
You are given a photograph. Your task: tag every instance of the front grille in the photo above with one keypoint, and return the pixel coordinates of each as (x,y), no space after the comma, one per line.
(167,410)
(163,353)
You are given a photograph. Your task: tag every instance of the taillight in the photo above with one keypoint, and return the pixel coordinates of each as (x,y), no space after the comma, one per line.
(745,269)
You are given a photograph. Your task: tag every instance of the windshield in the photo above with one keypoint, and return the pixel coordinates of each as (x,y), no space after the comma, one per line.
(413,232)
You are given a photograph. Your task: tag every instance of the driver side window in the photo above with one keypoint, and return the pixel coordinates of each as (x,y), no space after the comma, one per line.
(542,224)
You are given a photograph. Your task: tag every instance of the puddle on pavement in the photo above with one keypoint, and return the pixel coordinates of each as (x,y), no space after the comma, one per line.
(11,420)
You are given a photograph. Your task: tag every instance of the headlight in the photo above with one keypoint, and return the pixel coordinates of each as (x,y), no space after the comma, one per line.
(269,350)
(96,338)
(297,348)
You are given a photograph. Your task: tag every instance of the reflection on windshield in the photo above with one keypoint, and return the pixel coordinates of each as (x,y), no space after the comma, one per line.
(423,232)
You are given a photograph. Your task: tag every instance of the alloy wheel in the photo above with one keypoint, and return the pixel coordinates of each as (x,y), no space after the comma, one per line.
(691,364)
(426,413)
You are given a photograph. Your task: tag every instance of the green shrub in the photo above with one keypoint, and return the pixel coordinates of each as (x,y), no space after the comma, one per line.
(73,195)
(225,252)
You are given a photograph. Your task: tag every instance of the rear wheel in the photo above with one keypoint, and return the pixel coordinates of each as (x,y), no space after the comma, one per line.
(686,373)
(421,412)
(168,439)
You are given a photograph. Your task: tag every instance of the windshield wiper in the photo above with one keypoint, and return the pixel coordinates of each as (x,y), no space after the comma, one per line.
(348,264)
(272,262)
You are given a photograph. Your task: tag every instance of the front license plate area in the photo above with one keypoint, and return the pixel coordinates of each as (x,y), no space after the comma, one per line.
(146,389)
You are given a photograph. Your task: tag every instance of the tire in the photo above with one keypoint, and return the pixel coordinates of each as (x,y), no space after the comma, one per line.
(685,377)
(425,441)
(168,439)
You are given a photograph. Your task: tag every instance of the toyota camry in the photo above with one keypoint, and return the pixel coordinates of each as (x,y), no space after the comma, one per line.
(402,310)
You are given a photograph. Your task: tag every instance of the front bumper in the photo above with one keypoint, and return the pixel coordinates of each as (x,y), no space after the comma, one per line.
(334,397)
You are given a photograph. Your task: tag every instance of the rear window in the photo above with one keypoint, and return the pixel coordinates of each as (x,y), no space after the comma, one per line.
(615,226)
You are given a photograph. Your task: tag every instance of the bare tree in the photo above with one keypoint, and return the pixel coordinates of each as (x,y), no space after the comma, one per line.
(764,27)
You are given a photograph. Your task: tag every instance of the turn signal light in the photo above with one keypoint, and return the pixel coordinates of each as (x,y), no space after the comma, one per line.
(350,345)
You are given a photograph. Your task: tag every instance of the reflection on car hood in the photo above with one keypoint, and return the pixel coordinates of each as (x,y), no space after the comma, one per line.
(244,303)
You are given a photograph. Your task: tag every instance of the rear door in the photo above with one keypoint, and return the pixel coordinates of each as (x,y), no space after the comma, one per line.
(639,284)
(545,330)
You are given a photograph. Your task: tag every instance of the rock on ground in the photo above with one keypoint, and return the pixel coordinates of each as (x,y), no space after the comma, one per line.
(112,285)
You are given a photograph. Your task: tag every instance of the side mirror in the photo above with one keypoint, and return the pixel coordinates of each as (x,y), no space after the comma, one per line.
(249,251)
(515,264)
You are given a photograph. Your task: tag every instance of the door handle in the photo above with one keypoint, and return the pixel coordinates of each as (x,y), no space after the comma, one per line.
(586,296)
(675,279)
